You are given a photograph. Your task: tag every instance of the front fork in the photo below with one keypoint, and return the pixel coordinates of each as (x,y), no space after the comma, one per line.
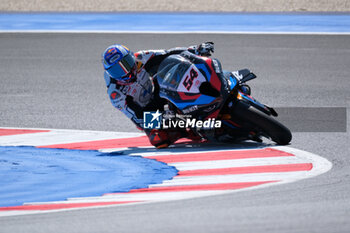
(251,101)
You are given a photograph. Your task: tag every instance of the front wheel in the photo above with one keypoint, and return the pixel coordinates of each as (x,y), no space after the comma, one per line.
(260,122)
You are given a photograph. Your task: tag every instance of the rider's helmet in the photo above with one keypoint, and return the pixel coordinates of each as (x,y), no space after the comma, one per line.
(119,63)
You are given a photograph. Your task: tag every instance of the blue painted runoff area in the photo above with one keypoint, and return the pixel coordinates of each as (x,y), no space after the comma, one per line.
(177,22)
(29,174)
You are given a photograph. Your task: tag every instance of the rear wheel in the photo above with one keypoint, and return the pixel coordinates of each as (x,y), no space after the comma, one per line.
(258,121)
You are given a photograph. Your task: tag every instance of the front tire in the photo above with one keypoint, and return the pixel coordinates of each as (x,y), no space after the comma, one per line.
(261,122)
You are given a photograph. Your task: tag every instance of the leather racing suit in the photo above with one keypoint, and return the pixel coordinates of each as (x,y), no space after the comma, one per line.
(142,95)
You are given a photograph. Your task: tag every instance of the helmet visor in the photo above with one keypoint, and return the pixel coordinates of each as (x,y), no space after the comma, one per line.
(122,68)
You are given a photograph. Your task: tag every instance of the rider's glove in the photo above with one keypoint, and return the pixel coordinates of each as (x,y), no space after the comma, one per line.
(205,49)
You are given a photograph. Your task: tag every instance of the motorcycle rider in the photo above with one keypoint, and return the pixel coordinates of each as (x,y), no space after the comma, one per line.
(131,89)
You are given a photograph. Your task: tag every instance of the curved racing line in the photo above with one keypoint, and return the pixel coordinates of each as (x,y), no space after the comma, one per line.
(208,170)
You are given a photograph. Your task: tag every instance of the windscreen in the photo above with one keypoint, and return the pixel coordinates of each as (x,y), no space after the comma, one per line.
(171,70)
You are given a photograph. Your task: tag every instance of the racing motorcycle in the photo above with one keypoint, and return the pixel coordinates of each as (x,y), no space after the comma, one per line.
(197,86)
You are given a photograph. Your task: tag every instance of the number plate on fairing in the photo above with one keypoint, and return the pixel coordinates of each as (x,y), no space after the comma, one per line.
(191,80)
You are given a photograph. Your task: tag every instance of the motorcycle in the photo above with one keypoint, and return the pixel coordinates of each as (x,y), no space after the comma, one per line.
(197,86)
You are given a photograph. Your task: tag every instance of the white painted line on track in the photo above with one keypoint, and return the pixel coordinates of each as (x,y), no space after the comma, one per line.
(139,196)
(222,179)
(174,32)
(236,163)
(61,137)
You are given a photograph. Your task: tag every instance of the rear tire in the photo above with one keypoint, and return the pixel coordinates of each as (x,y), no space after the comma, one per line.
(259,121)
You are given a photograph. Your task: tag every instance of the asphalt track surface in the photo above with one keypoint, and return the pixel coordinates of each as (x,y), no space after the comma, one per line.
(55,81)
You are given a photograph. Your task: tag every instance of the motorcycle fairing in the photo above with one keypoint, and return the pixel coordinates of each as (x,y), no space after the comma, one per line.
(181,76)
(241,76)
(191,81)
